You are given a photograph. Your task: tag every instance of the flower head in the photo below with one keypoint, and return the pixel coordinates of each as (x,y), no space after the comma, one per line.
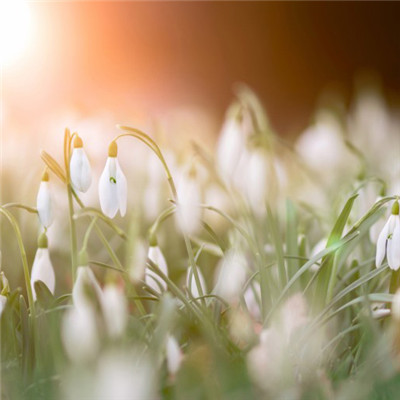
(80,171)
(389,240)
(151,278)
(44,201)
(42,269)
(112,185)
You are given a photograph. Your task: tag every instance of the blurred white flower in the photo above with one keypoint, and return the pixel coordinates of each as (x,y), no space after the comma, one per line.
(174,355)
(112,185)
(252,298)
(138,258)
(396,305)
(3,302)
(231,275)
(188,210)
(115,310)
(79,334)
(151,278)
(191,282)
(86,291)
(389,240)
(44,201)
(80,171)
(42,268)
(229,147)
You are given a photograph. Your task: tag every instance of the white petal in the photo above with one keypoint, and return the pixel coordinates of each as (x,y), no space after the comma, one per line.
(108,191)
(81,174)
(151,278)
(3,302)
(44,204)
(174,355)
(85,279)
(191,282)
(381,244)
(42,270)
(393,246)
(122,188)
(115,310)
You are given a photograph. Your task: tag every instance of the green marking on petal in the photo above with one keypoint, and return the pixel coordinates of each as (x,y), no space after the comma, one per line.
(112,179)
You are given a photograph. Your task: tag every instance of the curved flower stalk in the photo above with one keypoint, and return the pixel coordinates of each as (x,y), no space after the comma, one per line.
(188,210)
(42,269)
(115,310)
(151,278)
(80,171)
(191,283)
(232,271)
(44,201)
(174,355)
(389,240)
(112,185)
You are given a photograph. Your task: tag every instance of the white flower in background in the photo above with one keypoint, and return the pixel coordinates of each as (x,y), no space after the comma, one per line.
(231,275)
(191,282)
(115,310)
(252,298)
(229,147)
(138,258)
(86,291)
(152,280)
(80,171)
(112,185)
(44,201)
(3,302)
(389,240)
(174,355)
(396,305)
(79,334)
(188,210)
(42,268)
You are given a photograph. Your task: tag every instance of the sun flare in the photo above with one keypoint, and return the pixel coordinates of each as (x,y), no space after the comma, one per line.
(15,29)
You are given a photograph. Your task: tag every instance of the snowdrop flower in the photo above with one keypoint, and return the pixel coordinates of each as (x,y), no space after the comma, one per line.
(229,147)
(252,297)
(191,282)
(44,201)
(174,355)
(79,334)
(3,302)
(112,185)
(389,240)
(151,278)
(115,310)
(231,276)
(86,291)
(80,171)
(188,211)
(42,269)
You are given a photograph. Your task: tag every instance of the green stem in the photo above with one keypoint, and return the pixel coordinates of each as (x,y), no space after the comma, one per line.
(22,251)
(394,282)
(74,246)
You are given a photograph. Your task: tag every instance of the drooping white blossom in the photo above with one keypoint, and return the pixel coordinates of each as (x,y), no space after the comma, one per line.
(153,280)
(115,310)
(80,170)
(389,240)
(44,202)
(42,268)
(113,187)
(174,355)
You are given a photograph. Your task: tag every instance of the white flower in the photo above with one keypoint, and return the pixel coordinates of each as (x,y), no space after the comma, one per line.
(86,291)
(113,186)
(80,171)
(389,240)
(42,269)
(191,282)
(44,202)
(252,298)
(231,275)
(3,302)
(174,355)
(229,148)
(188,211)
(79,334)
(151,278)
(115,310)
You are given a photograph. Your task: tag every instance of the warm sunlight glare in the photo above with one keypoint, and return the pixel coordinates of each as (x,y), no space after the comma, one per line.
(15,28)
